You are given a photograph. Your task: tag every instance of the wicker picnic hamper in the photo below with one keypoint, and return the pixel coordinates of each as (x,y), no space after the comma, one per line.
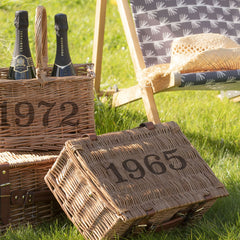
(42,113)
(24,196)
(149,177)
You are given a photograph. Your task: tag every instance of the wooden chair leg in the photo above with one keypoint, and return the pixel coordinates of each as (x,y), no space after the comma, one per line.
(98,41)
(236,99)
(150,105)
(134,93)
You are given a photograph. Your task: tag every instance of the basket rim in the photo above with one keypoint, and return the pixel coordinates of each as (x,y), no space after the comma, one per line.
(18,159)
(74,145)
(89,75)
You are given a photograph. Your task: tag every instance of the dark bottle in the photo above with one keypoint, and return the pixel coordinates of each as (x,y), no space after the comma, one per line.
(63,65)
(22,66)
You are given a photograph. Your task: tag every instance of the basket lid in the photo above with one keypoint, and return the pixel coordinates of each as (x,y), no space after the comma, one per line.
(26,158)
(144,170)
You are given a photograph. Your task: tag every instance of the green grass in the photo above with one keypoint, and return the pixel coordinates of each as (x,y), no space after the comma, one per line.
(211,125)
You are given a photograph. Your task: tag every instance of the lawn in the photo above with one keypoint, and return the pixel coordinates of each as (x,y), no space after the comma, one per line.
(211,125)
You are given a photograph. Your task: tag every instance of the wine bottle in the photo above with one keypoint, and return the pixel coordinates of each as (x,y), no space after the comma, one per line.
(22,66)
(63,65)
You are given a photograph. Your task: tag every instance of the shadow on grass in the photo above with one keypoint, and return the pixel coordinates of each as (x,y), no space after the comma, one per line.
(60,228)
(214,146)
(222,220)
(109,119)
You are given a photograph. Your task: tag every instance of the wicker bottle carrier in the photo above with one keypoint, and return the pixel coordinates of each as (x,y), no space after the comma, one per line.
(40,114)
(24,196)
(149,177)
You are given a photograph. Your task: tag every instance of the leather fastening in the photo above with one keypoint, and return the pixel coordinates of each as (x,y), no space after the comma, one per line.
(148,125)
(4,193)
(23,197)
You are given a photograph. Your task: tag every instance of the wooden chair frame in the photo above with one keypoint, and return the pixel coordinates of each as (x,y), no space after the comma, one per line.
(124,96)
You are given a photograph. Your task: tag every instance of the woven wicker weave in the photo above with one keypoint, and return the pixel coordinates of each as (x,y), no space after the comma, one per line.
(25,198)
(42,113)
(118,182)
(26,124)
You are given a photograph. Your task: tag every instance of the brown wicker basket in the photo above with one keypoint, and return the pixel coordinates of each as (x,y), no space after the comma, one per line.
(145,178)
(42,113)
(24,196)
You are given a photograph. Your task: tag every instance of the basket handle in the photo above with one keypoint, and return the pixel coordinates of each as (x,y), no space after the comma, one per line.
(148,125)
(91,136)
(41,43)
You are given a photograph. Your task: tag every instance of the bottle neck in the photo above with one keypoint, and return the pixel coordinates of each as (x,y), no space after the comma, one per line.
(22,43)
(62,53)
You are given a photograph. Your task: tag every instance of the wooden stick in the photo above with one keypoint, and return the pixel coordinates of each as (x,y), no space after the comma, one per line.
(138,60)
(131,35)
(98,41)
(127,95)
(236,99)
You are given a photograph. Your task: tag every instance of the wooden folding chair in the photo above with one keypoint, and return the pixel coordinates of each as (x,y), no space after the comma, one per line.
(151,26)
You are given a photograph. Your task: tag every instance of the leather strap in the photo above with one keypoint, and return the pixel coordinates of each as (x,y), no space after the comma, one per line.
(148,125)
(140,222)
(92,136)
(23,197)
(171,223)
(4,193)
(17,197)
(177,219)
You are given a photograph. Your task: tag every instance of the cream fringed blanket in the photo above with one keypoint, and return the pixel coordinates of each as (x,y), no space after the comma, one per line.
(195,53)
